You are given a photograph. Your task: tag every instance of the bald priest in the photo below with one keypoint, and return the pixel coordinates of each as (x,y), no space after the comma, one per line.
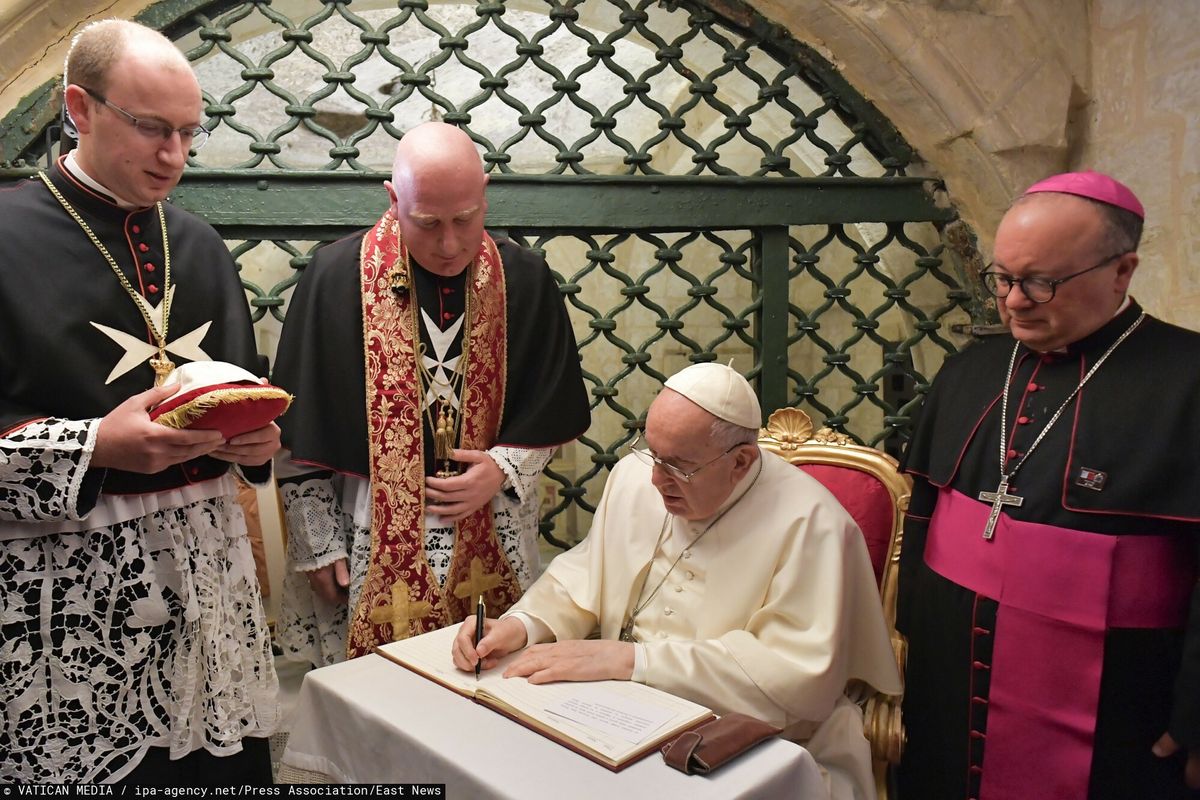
(716,572)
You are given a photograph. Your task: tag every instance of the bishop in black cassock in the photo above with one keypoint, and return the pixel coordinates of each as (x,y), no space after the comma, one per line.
(1047,660)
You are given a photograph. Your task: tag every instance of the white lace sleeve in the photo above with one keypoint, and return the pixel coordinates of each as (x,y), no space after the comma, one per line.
(316,529)
(42,466)
(522,466)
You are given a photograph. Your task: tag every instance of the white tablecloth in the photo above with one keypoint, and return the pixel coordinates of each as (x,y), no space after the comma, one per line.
(371,721)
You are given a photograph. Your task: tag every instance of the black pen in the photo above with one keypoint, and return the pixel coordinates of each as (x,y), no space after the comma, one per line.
(479,612)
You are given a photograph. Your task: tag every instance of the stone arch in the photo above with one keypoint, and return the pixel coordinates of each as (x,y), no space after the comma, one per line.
(987,91)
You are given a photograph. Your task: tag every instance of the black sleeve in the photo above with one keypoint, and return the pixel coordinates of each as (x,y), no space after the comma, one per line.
(912,550)
(1185,715)
(320,362)
(545,401)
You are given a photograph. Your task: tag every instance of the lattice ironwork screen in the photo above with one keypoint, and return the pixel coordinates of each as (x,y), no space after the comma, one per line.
(704,187)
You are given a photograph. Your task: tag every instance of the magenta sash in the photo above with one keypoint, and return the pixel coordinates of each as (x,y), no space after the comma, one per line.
(1059,590)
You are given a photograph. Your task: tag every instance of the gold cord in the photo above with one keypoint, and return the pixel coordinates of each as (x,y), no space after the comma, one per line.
(626,634)
(162,365)
(458,375)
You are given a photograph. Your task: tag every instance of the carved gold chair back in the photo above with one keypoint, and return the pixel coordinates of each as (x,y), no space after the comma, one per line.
(869,484)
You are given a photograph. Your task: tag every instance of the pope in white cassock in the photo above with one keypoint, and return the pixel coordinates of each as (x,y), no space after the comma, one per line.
(716,572)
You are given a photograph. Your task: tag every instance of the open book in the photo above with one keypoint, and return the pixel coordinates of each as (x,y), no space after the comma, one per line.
(614,723)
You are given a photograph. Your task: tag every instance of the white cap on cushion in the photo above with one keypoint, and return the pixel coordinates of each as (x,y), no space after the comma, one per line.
(197,374)
(215,395)
(719,390)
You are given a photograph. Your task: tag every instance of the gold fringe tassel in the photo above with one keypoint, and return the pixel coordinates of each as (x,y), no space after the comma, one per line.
(193,410)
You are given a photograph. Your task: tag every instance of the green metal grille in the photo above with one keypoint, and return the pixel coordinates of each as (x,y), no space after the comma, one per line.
(599,86)
(704,186)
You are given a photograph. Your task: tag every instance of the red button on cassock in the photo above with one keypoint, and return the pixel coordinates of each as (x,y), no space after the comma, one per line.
(143,247)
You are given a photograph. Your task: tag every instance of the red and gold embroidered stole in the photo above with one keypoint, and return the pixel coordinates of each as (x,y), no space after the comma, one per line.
(401,595)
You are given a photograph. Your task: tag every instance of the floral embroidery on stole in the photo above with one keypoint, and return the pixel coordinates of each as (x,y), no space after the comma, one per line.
(401,596)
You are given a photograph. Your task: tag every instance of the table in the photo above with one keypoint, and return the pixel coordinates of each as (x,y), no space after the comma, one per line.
(372,721)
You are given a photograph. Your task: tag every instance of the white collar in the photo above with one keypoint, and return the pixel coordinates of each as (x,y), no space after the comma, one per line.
(71,164)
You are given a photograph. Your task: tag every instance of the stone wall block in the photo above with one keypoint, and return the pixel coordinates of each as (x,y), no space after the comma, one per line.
(1147,167)
(1112,14)
(1189,249)
(1172,99)
(1116,78)
(1062,29)
(1171,31)
(1036,110)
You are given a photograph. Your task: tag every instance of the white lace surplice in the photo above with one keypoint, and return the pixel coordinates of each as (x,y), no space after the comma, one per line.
(329,518)
(140,626)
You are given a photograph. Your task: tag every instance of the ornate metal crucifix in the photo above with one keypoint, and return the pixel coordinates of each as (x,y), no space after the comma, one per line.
(998,498)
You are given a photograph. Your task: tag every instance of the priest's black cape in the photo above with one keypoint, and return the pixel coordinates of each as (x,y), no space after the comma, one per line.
(320,361)
(54,283)
(1138,422)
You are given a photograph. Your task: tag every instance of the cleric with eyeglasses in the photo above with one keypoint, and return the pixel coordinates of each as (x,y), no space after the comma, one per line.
(135,647)
(1050,545)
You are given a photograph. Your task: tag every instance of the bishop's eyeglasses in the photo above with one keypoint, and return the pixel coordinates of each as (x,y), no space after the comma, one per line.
(1038,290)
(193,137)
(675,472)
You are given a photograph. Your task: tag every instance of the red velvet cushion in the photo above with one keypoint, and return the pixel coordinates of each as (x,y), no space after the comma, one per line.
(868,502)
(231,408)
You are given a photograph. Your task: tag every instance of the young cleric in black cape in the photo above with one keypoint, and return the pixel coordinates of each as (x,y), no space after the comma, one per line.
(133,630)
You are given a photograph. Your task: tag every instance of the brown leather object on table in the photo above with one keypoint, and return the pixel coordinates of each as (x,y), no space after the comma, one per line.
(706,747)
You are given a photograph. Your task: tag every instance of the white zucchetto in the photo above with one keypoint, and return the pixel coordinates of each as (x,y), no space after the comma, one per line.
(719,390)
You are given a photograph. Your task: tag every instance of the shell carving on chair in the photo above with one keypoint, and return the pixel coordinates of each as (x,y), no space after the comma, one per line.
(789,427)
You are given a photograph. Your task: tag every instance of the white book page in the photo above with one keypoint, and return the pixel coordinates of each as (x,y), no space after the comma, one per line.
(430,653)
(611,717)
(546,703)
(612,713)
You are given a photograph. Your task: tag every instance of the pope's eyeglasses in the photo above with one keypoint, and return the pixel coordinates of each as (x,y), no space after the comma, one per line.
(675,472)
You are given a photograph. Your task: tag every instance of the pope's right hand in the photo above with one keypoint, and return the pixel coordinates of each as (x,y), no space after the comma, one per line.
(128,439)
(500,637)
(331,582)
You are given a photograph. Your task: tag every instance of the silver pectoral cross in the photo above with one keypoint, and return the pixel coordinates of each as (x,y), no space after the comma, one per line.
(998,498)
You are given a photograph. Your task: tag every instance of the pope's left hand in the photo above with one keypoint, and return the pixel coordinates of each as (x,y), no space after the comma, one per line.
(574,660)
(1167,746)
(462,495)
(250,449)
